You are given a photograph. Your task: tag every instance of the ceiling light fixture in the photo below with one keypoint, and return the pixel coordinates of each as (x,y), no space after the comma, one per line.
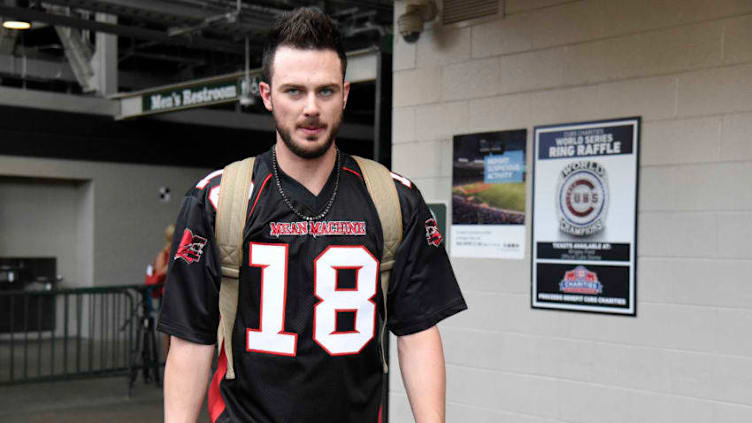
(12,22)
(16,25)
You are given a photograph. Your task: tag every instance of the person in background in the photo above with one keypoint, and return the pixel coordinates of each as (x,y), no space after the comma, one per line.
(156,273)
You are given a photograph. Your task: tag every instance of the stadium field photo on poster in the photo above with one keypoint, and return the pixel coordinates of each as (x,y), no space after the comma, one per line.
(488,194)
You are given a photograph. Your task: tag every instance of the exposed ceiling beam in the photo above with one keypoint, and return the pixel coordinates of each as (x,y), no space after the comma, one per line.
(123,31)
(360,68)
(250,20)
(35,69)
(79,56)
(142,8)
(38,69)
(59,102)
(92,105)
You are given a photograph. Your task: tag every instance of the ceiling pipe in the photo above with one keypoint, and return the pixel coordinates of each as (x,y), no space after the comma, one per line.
(121,30)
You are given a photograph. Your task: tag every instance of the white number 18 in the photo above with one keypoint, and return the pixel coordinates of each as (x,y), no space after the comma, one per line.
(271,337)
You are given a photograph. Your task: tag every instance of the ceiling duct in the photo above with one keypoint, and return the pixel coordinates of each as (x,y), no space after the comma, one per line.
(463,10)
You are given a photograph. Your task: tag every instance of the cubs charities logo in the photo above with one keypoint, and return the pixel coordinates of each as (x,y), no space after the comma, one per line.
(433,236)
(582,198)
(580,281)
(191,247)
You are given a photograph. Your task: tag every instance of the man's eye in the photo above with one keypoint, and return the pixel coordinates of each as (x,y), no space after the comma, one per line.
(293,91)
(326,92)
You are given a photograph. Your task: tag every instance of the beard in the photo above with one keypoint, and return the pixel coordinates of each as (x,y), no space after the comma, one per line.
(299,149)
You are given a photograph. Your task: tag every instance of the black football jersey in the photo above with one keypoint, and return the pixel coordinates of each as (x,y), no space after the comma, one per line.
(306,336)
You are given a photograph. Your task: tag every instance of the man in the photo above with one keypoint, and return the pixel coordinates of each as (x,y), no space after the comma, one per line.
(305,340)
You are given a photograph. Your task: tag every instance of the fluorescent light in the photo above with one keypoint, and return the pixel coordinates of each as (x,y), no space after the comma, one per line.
(16,25)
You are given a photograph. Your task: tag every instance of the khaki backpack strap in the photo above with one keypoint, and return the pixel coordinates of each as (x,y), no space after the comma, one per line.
(381,187)
(231,214)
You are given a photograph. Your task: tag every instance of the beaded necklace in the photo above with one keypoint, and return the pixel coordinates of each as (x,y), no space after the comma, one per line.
(287,200)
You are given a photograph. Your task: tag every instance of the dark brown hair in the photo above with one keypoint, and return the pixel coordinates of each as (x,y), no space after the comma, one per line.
(306,28)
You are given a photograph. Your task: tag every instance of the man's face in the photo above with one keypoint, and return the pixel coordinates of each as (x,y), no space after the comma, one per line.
(306,98)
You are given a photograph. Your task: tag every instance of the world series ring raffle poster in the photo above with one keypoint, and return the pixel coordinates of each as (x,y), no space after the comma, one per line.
(585,216)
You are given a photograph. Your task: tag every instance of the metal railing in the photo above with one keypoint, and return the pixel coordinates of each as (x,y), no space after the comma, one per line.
(72,333)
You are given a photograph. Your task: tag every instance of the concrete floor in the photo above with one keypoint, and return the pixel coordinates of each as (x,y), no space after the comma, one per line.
(83,401)
(93,399)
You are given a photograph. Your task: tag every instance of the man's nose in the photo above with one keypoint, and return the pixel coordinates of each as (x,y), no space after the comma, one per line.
(311,105)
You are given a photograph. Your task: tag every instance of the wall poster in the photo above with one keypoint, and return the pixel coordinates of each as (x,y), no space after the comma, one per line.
(488,195)
(585,216)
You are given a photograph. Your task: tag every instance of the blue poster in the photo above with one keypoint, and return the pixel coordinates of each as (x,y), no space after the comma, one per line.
(489,175)
(504,168)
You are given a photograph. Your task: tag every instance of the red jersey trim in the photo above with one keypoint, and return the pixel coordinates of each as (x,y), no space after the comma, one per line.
(263,185)
(216,403)
(352,171)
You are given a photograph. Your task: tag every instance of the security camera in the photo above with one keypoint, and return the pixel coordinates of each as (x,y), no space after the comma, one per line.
(411,22)
(410,26)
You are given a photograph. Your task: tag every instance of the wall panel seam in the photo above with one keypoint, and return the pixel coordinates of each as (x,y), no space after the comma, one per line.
(684,164)
(505,412)
(616,36)
(600,385)
(602,342)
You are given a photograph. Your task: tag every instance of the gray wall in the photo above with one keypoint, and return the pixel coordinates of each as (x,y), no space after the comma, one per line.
(115,209)
(686,68)
(47,218)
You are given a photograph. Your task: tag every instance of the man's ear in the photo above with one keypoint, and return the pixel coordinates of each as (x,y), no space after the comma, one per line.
(346,92)
(265,90)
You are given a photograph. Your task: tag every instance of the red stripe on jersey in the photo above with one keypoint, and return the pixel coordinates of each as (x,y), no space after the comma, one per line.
(381,407)
(216,403)
(352,171)
(263,185)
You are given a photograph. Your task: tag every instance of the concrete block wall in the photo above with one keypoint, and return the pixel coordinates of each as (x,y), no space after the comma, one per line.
(685,66)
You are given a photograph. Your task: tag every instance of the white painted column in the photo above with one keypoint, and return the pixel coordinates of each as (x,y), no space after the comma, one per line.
(105,60)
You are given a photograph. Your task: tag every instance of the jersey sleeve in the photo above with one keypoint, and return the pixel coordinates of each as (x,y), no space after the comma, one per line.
(190,308)
(423,289)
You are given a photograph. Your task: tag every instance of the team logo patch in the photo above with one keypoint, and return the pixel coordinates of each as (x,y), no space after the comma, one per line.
(191,247)
(433,236)
(582,198)
(580,281)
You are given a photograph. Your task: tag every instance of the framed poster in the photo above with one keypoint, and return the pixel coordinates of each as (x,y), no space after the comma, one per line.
(584,230)
(488,195)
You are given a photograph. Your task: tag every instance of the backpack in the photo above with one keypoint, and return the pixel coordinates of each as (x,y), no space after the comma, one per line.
(231,214)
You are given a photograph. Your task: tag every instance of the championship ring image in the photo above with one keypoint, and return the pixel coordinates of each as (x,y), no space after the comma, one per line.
(582,198)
